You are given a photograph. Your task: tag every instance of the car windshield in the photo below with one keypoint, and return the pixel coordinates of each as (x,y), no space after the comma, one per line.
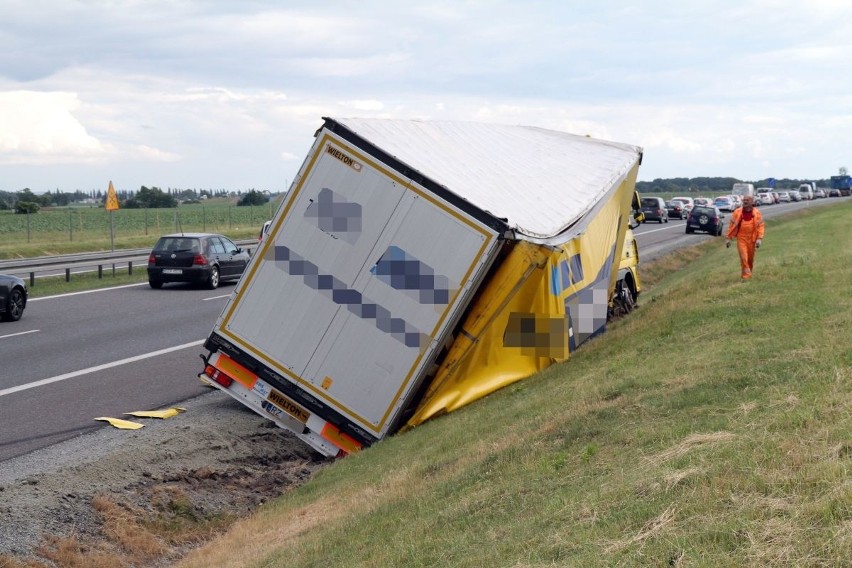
(178,244)
(703,211)
(649,202)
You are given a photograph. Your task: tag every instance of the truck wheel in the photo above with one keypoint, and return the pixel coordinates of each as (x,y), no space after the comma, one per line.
(213,280)
(623,301)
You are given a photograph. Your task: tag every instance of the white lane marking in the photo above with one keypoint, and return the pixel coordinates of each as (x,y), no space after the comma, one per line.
(673,226)
(97,368)
(86,292)
(217,297)
(19,333)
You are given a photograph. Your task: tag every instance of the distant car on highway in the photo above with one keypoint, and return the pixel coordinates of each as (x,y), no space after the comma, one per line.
(819,193)
(688,203)
(654,209)
(724,203)
(706,201)
(705,219)
(264,230)
(200,258)
(834,192)
(784,197)
(764,198)
(13,297)
(675,209)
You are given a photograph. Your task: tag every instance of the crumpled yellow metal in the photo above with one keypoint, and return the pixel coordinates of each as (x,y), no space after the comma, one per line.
(164,413)
(121,424)
(491,350)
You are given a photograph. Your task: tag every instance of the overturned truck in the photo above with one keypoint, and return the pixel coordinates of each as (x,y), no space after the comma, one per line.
(415,266)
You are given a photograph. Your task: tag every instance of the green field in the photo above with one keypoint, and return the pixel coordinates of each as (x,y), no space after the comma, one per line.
(76,229)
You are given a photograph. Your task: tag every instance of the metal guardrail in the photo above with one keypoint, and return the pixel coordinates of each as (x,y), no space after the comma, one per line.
(53,266)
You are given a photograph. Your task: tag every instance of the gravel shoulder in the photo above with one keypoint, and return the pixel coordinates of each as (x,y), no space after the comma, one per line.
(219,457)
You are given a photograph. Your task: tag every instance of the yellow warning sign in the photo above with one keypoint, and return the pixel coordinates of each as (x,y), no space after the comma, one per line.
(112,199)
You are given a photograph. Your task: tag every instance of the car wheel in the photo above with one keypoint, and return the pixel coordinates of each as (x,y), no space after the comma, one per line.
(688,231)
(155,284)
(213,280)
(14,305)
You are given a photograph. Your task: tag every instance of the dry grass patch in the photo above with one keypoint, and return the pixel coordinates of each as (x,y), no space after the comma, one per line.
(690,442)
(121,527)
(70,553)
(249,538)
(650,529)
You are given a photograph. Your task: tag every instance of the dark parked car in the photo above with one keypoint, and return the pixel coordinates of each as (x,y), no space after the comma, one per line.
(675,209)
(13,297)
(654,209)
(705,219)
(201,258)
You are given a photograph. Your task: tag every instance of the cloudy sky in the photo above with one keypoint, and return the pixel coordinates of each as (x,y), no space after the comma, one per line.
(228,94)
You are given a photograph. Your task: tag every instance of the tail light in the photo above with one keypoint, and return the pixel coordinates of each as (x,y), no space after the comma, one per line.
(218,376)
(152,259)
(199,259)
(345,442)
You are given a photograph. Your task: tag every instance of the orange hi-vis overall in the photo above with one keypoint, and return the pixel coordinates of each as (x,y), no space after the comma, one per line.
(747,232)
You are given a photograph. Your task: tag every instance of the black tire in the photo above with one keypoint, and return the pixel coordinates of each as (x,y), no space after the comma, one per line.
(213,279)
(155,284)
(14,305)
(688,231)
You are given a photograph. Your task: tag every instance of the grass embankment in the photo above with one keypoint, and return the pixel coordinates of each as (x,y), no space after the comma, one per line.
(713,427)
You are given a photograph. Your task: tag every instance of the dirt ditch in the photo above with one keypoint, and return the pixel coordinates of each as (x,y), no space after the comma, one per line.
(146,497)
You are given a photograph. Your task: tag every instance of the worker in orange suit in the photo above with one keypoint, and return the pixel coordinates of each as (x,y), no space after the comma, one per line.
(747,227)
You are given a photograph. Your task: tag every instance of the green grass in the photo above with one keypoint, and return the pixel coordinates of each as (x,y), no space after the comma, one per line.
(712,427)
(53,285)
(83,229)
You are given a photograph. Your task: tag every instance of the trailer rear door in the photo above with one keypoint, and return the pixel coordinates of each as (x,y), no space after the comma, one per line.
(362,276)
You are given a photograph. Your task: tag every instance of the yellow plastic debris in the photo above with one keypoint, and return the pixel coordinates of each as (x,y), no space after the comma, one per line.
(165,413)
(120,424)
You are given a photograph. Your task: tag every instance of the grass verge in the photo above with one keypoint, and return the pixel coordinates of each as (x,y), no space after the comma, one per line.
(53,285)
(713,427)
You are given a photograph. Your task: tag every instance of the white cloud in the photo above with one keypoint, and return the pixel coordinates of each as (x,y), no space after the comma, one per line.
(230,94)
(35,125)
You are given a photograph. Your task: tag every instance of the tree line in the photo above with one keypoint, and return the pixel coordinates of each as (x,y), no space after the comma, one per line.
(25,201)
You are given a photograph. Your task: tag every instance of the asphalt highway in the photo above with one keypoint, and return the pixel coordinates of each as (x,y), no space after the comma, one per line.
(75,357)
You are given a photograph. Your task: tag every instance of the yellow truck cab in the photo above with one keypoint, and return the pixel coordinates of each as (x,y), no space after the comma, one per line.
(628,286)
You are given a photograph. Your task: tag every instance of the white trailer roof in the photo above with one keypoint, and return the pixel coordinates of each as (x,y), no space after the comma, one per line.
(542,181)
